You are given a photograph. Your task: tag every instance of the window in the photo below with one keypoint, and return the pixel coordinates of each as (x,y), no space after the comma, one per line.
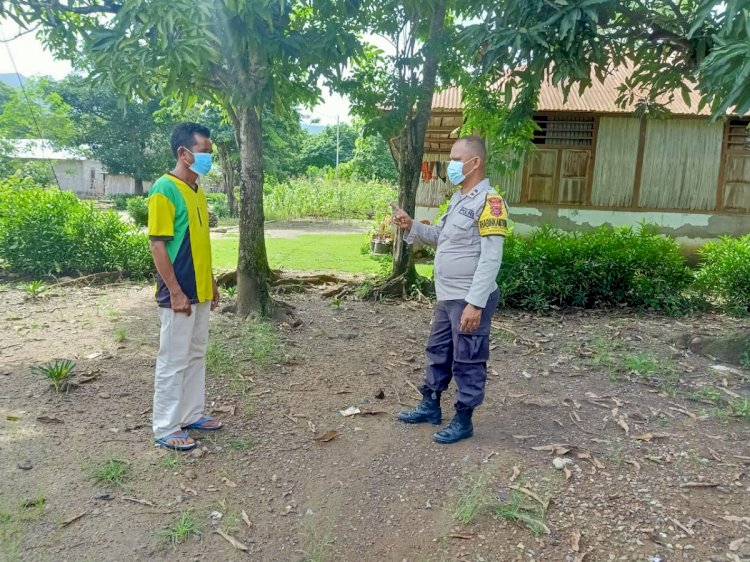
(739,135)
(565,130)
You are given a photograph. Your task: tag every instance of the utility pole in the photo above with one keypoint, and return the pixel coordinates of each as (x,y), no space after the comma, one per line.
(337,147)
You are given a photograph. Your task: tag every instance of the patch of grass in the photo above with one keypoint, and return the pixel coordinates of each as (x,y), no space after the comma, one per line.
(219,360)
(112,471)
(171,461)
(602,356)
(241,444)
(318,541)
(231,292)
(741,409)
(182,528)
(262,344)
(120,335)
(519,511)
(34,289)
(474,498)
(707,393)
(58,373)
(309,252)
(641,364)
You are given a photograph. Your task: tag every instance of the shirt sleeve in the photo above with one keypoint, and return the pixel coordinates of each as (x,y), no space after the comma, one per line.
(427,233)
(160,217)
(485,276)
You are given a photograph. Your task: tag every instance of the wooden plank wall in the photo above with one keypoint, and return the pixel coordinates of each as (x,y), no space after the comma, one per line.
(681,162)
(615,165)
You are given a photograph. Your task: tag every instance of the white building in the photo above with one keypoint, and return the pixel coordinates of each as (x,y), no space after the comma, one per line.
(74,171)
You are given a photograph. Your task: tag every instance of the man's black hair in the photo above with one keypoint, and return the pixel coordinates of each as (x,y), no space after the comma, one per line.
(183,134)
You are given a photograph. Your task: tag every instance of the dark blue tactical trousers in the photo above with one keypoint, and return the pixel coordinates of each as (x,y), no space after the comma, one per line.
(463,355)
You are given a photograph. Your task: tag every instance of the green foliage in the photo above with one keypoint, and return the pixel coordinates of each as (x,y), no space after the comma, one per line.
(36,112)
(58,372)
(372,160)
(603,267)
(114,472)
(724,274)
(320,150)
(120,201)
(217,203)
(138,210)
(305,197)
(34,288)
(46,231)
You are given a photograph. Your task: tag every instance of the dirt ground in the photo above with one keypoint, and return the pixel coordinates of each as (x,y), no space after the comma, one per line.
(600,439)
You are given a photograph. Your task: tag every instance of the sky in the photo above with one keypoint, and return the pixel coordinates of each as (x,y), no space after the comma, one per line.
(32,59)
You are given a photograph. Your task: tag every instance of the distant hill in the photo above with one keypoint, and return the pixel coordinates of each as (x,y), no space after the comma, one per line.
(313,128)
(12,79)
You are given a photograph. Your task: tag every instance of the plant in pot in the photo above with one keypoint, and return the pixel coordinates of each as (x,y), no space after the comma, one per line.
(382,237)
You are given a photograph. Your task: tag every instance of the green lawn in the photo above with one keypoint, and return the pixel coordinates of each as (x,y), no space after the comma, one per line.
(309,252)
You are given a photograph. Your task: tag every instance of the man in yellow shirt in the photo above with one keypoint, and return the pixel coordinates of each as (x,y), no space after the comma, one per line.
(185,289)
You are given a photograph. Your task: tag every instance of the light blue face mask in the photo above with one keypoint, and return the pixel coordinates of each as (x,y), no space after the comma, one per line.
(202,162)
(456,171)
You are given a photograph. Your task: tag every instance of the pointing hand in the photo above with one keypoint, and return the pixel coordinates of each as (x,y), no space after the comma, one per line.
(400,217)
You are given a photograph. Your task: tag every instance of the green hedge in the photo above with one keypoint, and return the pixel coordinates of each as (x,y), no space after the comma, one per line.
(138,210)
(48,231)
(723,277)
(601,268)
(218,204)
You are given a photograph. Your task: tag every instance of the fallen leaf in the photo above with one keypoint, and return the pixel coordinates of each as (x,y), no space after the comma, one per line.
(350,411)
(735,545)
(523,437)
(228,483)
(47,419)
(327,436)
(623,424)
(462,536)
(516,474)
(635,464)
(94,355)
(557,450)
(735,519)
(698,485)
(231,540)
(246,519)
(532,495)
(681,526)
(11,417)
(650,436)
(567,472)
(187,489)
(368,412)
(136,500)
(575,541)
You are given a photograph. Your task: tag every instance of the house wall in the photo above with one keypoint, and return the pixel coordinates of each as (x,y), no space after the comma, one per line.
(615,162)
(119,184)
(83,177)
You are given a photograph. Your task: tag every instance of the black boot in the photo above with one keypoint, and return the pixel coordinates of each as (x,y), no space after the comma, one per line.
(428,411)
(459,428)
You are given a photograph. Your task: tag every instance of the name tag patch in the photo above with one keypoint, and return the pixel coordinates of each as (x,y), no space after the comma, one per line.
(466,212)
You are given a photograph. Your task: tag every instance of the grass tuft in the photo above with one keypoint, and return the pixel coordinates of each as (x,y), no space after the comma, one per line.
(112,471)
(181,529)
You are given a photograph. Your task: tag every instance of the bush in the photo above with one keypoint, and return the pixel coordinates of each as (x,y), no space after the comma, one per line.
(120,201)
(320,198)
(603,267)
(138,210)
(218,204)
(724,274)
(45,231)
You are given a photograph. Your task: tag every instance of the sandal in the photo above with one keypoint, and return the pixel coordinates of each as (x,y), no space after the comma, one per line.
(165,442)
(200,425)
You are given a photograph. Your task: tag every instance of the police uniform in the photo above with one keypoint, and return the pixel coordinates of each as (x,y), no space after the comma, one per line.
(469,239)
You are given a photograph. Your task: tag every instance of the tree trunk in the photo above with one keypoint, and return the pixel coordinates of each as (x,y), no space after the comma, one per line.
(411,148)
(227,173)
(252,266)
(138,187)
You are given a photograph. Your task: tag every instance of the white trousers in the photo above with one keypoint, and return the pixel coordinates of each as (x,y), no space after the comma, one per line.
(180,382)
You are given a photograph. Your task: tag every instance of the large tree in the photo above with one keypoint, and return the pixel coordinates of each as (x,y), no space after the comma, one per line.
(244,54)
(392,92)
(124,136)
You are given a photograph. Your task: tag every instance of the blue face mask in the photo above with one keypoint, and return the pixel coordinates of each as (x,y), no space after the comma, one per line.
(202,163)
(456,172)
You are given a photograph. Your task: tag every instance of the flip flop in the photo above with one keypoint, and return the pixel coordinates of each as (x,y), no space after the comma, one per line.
(200,425)
(164,442)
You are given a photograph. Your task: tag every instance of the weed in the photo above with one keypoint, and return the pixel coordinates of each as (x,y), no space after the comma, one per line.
(113,313)
(617,455)
(34,288)
(318,541)
(722,415)
(602,356)
(181,529)
(641,364)
(231,292)
(111,471)
(58,373)
(120,335)
(474,498)
(241,444)
(336,303)
(707,393)
(219,361)
(514,510)
(741,409)
(261,340)
(171,461)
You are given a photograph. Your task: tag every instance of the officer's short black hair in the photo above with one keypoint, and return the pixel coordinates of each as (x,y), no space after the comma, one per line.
(476,146)
(183,134)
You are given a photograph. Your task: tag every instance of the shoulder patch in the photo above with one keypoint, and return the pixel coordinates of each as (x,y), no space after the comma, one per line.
(494,218)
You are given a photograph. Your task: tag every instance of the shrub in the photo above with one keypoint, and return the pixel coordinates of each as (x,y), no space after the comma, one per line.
(724,274)
(138,210)
(45,231)
(599,268)
(120,201)
(218,204)
(321,198)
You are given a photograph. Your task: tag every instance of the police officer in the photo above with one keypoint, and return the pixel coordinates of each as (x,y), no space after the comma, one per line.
(469,240)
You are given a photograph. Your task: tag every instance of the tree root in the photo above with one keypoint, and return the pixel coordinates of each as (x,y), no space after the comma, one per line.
(102,275)
(276,279)
(402,287)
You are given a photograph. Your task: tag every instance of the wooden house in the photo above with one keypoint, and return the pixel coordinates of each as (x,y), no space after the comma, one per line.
(594,163)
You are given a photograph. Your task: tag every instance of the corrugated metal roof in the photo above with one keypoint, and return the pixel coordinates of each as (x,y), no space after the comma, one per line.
(600,97)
